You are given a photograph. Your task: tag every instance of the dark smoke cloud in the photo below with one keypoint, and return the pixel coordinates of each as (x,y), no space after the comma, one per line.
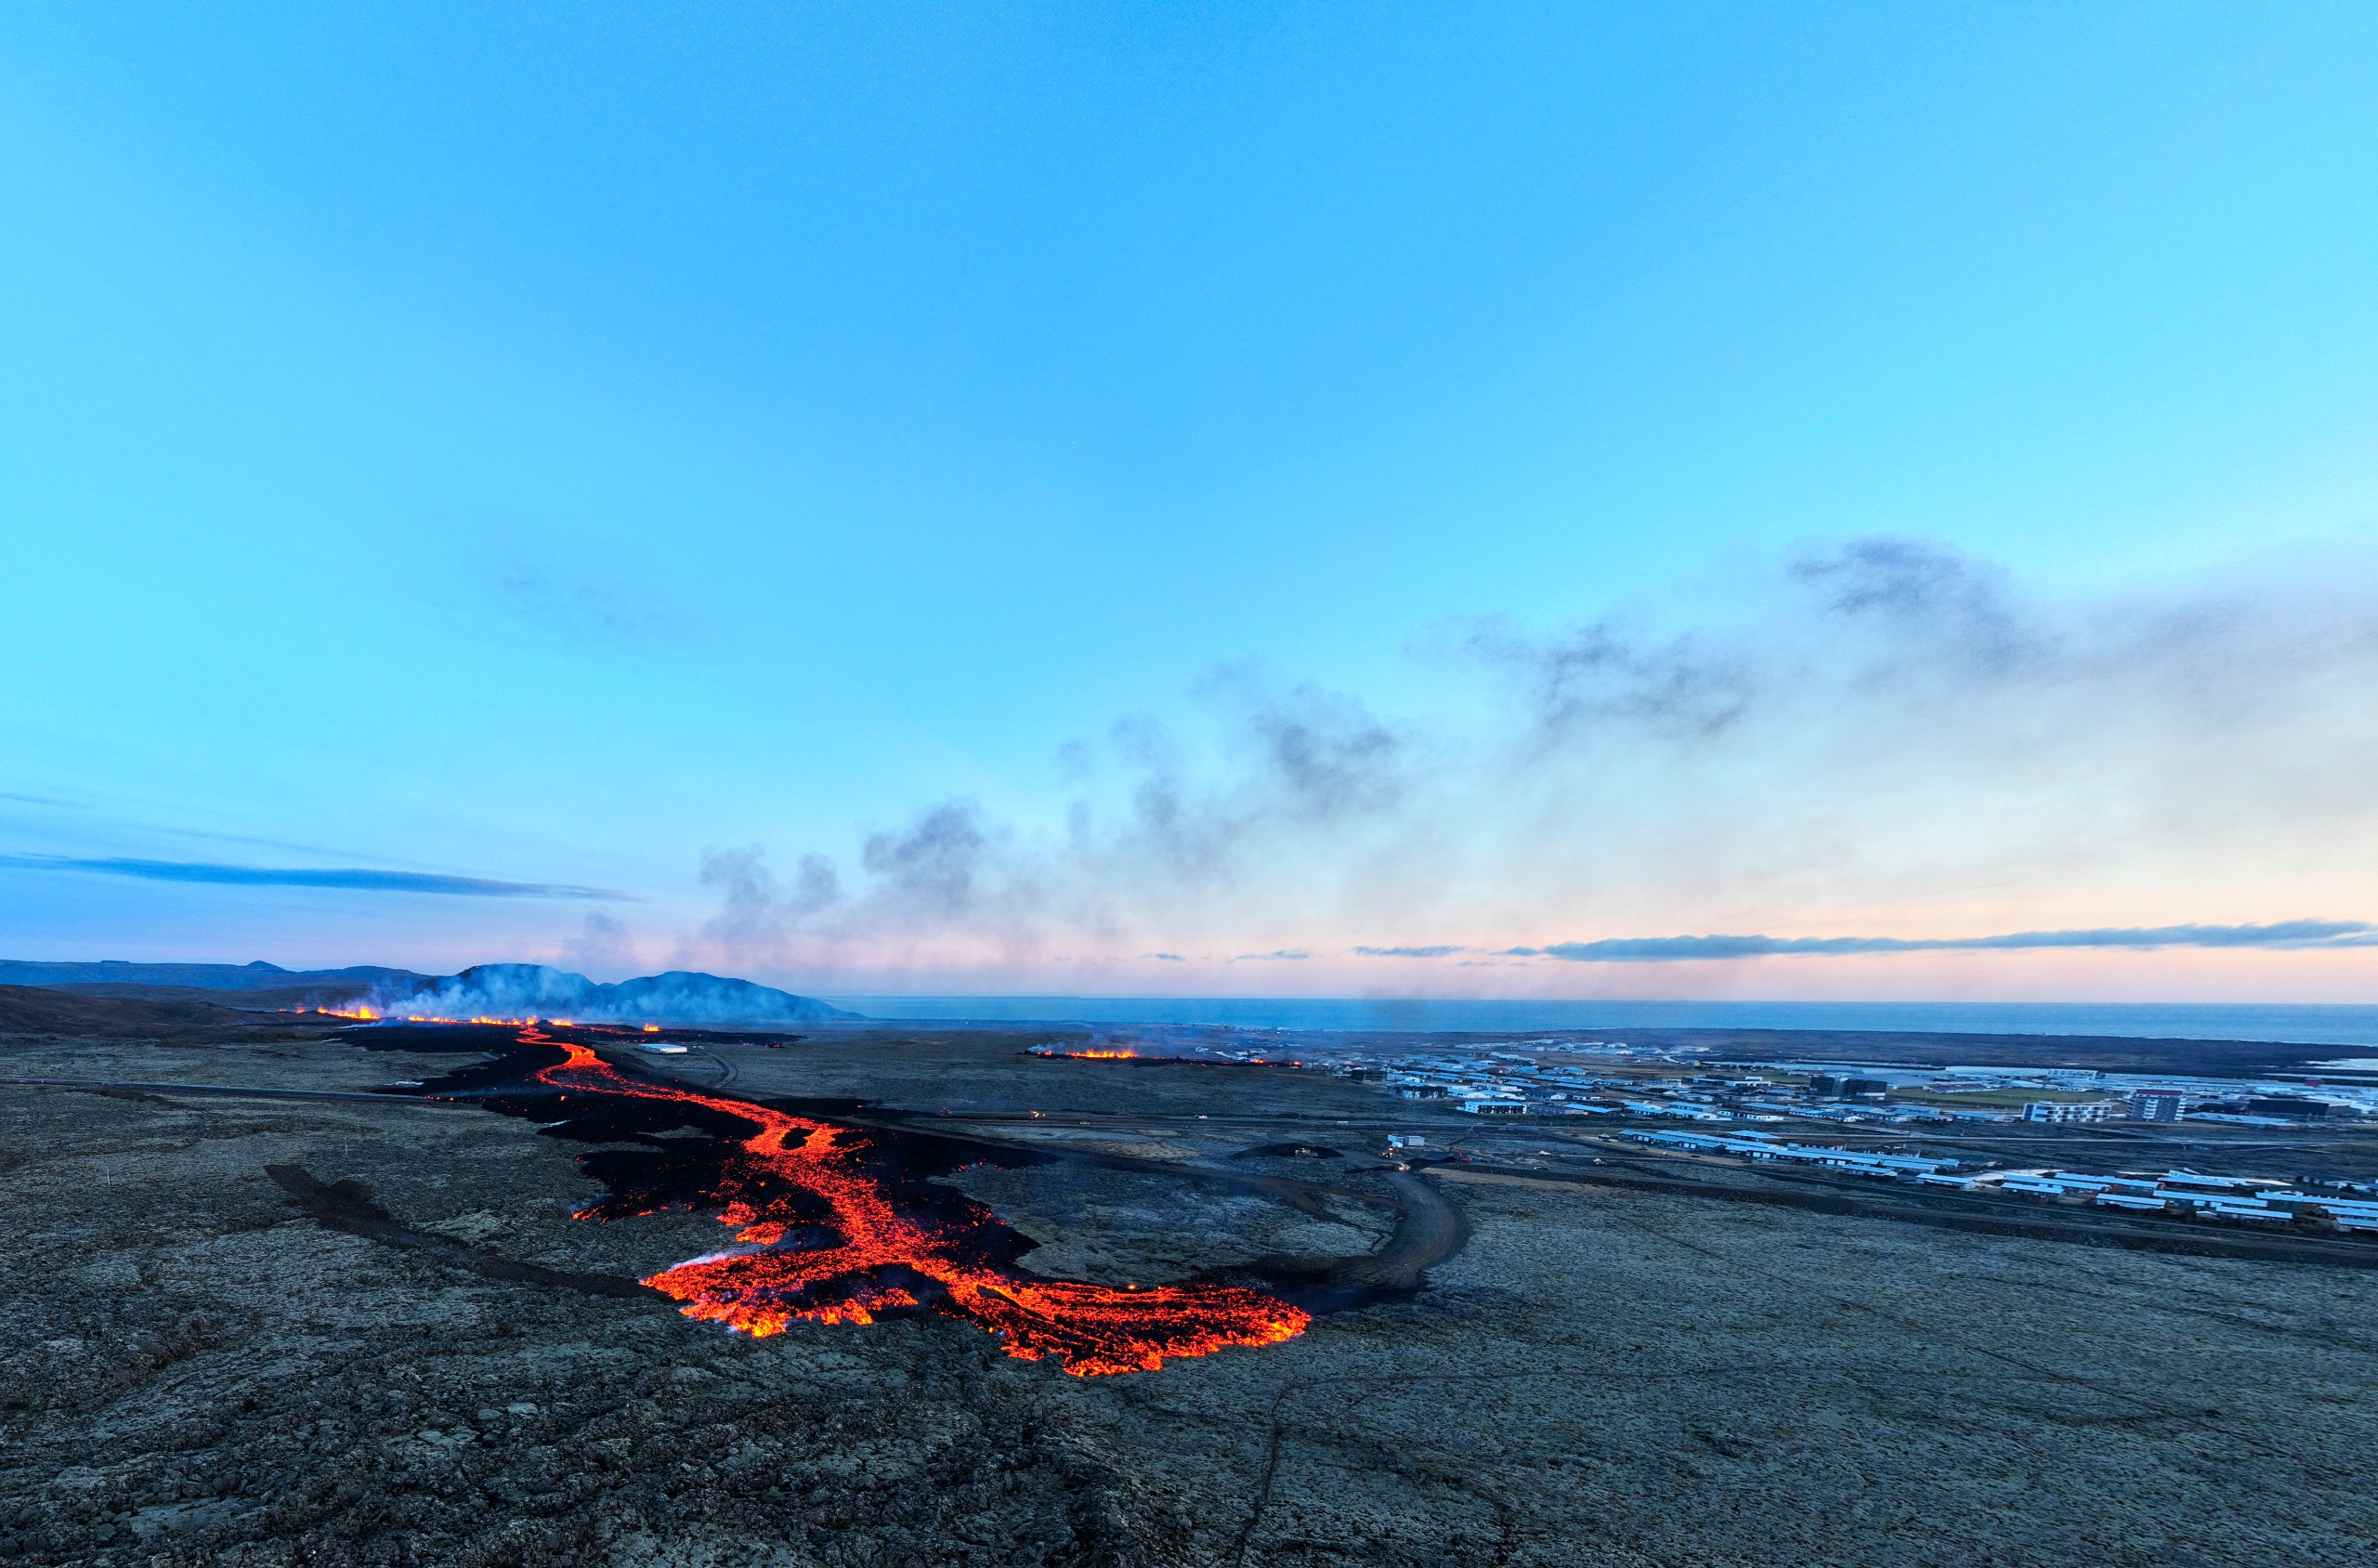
(1936,593)
(935,865)
(1598,676)
(1878,634)
(1665,949)
(356,878)
(1330,757)
(755,912)
(1300,768)
(1864,721)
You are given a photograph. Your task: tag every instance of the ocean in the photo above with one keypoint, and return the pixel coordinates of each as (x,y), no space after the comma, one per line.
(2310,1024)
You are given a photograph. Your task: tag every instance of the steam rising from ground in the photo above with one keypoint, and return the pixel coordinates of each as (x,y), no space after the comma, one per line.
(529,990)
(1888,741)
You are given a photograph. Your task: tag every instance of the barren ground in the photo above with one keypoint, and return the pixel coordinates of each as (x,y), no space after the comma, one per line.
(196,1372)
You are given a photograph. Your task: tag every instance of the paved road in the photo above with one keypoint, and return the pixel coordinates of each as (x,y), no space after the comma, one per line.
(1430,1227)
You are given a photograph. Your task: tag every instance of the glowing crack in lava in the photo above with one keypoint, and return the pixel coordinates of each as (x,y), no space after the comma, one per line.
(824,1239)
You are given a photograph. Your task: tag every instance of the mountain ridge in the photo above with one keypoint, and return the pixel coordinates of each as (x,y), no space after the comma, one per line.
(501,989)
(677,996)
(256,977)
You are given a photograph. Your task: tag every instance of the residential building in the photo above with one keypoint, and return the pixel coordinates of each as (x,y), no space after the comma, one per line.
(2057,1110)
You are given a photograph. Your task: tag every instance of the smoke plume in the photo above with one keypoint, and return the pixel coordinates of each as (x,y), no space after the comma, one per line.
(1880,743)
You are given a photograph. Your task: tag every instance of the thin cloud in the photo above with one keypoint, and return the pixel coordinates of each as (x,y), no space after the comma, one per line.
(1408,952)
(590,603)
(1670,949)
(1284,954)
(359,879)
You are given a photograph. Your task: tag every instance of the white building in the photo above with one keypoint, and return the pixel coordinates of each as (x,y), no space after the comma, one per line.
(2057,1110)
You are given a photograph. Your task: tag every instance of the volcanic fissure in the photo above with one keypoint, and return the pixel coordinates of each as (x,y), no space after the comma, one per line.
(833,1222)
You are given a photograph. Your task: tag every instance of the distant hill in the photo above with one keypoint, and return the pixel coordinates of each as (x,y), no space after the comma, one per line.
(513,990)
(506,990)
(351,980)
(340,993)
(27,1009)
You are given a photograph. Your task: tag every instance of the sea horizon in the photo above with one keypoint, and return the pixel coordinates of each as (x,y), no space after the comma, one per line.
(2294,1022)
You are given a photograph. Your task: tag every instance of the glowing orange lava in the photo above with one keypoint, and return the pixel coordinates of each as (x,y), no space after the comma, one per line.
(871,1257)
(365,1014)
(528,1023)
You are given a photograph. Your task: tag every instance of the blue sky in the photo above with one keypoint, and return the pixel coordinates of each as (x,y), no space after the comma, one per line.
(1104,482)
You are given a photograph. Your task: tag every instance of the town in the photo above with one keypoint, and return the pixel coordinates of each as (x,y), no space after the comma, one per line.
(1609,1078)
(1981,1131)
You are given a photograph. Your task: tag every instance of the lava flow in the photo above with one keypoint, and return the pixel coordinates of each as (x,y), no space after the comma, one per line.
(829,1232)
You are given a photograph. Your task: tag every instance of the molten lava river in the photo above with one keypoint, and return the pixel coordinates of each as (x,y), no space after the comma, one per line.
(837,1223)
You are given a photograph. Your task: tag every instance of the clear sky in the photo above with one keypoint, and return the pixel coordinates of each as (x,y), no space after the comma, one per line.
(1112,498)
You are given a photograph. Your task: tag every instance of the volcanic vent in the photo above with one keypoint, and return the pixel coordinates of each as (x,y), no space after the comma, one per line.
(835,1223)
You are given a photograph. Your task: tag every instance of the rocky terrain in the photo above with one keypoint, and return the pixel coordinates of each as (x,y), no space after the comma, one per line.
(194,1370)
